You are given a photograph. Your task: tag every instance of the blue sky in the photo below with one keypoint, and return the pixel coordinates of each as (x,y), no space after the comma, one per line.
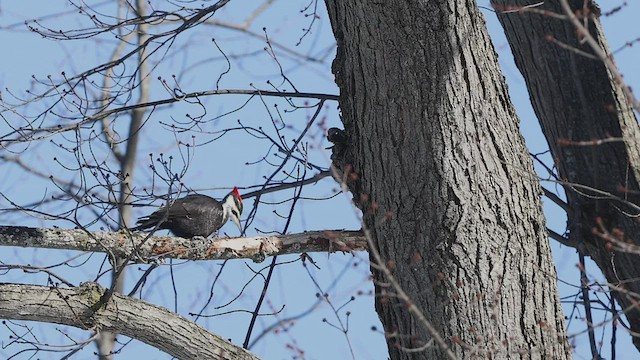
(215,166)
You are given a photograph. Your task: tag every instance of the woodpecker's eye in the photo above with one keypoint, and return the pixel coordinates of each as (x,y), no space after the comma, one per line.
(235,213)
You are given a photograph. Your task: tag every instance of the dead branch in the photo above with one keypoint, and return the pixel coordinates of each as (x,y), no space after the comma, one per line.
(122,243)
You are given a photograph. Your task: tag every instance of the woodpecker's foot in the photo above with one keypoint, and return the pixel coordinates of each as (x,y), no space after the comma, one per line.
(200,241)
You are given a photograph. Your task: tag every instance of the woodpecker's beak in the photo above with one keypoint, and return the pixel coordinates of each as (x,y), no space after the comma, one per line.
(236,220)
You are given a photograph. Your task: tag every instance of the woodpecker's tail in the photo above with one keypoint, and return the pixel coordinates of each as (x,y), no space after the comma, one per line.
(144,223)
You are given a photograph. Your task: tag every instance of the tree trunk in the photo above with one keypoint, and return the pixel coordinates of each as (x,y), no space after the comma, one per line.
(576,100)
(434,141)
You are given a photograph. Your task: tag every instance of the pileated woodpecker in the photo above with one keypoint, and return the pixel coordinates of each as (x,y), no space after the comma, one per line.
(195,215)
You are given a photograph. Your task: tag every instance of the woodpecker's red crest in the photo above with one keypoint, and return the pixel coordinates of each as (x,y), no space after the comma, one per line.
(236,193)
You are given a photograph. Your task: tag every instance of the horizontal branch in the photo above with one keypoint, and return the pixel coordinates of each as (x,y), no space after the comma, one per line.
(122,244)
(197,94)
(106,113)
(134,318)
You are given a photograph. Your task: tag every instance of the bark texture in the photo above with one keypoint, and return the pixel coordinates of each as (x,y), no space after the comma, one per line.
(434,141)
(153,325)
(576,100)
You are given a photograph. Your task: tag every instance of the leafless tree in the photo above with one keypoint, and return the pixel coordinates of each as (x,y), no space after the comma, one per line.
(431,153)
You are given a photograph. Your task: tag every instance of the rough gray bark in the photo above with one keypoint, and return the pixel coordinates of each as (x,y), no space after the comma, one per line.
(134,318)
(576,100)
(434,140)
(122,245)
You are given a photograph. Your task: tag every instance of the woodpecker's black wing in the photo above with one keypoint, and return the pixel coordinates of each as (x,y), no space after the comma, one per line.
(192,215)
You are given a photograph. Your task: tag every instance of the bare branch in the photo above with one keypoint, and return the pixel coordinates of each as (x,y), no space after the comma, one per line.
(137,319)
(30,132)
(122,244)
